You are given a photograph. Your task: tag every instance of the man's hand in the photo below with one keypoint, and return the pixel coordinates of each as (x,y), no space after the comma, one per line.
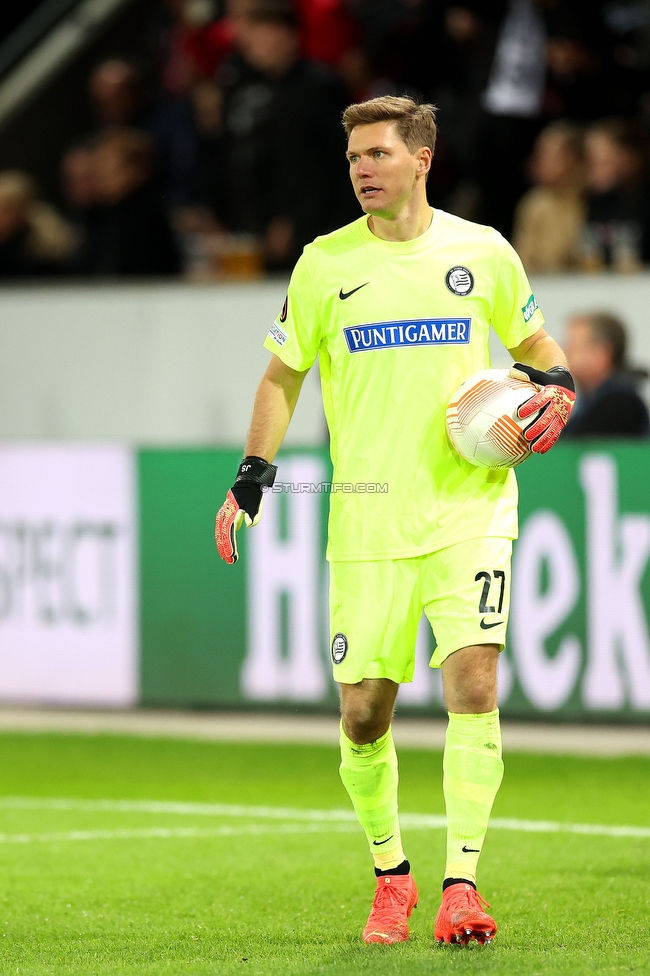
(555,400)
(243,504)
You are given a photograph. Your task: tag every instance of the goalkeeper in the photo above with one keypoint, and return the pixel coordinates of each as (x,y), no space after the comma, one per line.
(398,305)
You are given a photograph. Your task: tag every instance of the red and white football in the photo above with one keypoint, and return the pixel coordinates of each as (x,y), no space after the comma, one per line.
(482,420)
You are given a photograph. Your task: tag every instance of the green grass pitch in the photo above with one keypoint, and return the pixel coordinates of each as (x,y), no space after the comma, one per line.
(92,888)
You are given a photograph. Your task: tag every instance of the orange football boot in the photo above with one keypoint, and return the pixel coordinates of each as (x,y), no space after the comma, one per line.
(461,916)
(395,898)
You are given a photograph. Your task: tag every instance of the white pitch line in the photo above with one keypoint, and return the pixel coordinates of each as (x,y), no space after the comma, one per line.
(176,832)
(173,807)
(412,821)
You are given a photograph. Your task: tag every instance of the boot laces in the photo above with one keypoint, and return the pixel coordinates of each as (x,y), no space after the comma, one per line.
(464,897)
(389,897)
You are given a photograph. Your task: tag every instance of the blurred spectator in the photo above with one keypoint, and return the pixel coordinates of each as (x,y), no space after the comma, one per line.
(625,55)
(127,232)
(400,40)
(197,43)
(466,50)
(618,227)
(513,102)
(356,72)
(115,93)
(576,86)
(327,31)
(77,178)
(78,187)
(118,96)
(608,405)
(287,173)
(210,184)
(549,217)
(34,240)
(202,224)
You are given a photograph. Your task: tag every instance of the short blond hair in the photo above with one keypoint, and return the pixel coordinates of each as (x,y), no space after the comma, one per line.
(415,124)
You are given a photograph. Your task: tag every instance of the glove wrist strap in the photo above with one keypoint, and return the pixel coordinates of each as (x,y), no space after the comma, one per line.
(562,377)
(555,376)
(256,471)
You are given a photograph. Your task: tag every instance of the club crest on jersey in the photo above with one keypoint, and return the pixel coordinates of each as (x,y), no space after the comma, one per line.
(277,334)
(339,648)
(409,332)
(459,281)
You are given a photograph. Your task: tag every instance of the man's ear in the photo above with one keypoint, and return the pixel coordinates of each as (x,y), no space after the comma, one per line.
(424,160)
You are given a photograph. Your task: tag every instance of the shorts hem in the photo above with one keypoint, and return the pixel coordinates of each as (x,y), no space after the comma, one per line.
(441,653)
(371,673)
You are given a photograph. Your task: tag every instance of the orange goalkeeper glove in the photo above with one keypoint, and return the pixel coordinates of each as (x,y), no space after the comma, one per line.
(554,402)
(243,504)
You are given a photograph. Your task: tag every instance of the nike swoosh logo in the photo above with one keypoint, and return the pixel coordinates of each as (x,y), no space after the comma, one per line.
(485,626)
(346,294)
(378,843)
(470,850)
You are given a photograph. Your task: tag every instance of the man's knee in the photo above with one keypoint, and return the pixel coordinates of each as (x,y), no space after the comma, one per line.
(364,724)
(367,710)
(474,698)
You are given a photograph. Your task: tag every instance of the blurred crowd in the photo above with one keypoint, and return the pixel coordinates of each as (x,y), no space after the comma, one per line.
(219,147)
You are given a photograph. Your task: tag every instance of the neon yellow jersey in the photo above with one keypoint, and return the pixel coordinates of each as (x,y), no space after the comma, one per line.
(399,326)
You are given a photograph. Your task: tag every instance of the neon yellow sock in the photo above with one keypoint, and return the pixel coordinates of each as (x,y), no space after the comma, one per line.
(472,774)
(369,774)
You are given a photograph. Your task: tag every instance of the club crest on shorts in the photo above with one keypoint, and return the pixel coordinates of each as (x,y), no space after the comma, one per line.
(459,280)
(339,648)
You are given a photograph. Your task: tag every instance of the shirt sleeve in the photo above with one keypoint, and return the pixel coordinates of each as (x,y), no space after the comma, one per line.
(515,313)
(295,336)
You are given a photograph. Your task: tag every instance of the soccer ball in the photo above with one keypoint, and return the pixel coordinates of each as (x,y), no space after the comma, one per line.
(482,420)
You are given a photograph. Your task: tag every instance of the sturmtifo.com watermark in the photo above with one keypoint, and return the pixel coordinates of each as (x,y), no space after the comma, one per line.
(328,488)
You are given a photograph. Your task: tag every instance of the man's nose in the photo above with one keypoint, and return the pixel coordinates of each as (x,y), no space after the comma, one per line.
(364,167)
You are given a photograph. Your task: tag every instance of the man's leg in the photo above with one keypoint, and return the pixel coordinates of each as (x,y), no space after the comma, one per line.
(369,765)
(375,608)
(369,773)
(472,774)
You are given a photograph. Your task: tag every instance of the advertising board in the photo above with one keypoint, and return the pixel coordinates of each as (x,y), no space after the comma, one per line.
(68,593)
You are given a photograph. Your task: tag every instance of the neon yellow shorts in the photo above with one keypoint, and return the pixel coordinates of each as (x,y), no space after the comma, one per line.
(376,606)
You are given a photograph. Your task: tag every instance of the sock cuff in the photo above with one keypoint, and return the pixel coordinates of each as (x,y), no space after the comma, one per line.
(465,719)
(448,882)
(403,868)
(368,748)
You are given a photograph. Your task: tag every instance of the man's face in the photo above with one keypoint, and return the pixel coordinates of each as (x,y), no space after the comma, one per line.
(269,47)
(608,164)
(113,91)
(384,173)
(590,361)
(553,161)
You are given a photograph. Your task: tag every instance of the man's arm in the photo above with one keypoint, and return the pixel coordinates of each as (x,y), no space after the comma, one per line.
(540,351)
(540,359)
(275,402)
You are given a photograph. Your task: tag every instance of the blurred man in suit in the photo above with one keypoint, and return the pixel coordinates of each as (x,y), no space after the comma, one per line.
(609,405)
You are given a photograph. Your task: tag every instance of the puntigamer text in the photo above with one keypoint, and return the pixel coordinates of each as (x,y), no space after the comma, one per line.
(412,332)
